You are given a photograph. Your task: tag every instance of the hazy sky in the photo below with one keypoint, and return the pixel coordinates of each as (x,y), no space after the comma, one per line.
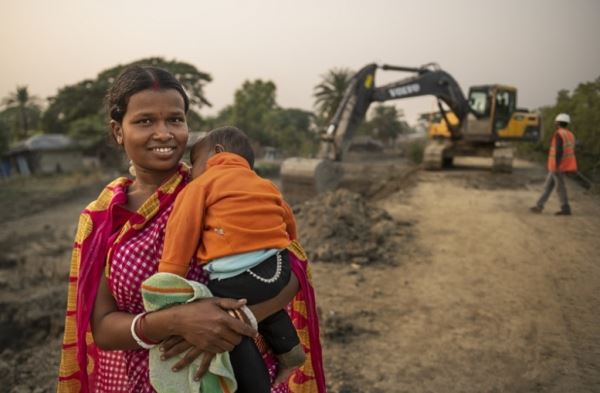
(537,46)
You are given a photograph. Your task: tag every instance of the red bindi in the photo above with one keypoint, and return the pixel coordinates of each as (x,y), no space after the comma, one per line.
(155,85)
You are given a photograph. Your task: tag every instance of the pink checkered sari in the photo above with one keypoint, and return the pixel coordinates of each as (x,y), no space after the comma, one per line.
(132,262)
(132,245)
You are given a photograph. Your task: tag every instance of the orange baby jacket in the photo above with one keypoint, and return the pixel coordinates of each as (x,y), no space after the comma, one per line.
(227,210)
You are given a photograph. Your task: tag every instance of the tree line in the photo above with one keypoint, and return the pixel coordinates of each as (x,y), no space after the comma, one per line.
(583,105)
(77,110)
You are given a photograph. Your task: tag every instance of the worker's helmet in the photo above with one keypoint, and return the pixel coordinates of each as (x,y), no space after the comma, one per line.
(563,118)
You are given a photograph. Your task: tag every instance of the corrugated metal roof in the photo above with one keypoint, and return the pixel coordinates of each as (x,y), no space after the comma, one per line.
(43,142)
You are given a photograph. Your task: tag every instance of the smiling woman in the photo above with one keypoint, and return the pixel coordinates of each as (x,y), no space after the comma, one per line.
(153,131)
(150,124)
(118,244)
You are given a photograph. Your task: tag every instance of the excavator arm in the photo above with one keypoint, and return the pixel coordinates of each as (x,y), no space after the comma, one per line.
(428,80)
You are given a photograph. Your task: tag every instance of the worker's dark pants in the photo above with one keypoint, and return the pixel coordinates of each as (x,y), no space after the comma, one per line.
(555,179)
(278,331)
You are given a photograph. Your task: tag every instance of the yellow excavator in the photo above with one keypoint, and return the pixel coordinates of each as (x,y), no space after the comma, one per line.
(478,126)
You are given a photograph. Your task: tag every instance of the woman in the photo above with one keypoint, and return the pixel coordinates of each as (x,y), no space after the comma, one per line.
(118,245)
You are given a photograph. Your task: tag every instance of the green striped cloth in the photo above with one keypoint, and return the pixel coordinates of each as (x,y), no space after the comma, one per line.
(164,290)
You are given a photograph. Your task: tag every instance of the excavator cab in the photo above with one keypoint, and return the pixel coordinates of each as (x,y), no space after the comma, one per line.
(493,116)
(492,120)
(480,101)
(505,103)
(510,122)
(493,106)
(490,110)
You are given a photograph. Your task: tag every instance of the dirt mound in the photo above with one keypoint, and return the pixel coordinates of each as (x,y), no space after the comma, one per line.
(342,226)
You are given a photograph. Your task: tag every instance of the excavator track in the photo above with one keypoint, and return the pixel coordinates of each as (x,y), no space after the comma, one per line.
(502,159)
(434,154)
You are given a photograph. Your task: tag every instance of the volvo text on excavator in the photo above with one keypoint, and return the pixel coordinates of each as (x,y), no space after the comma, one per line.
(478,126)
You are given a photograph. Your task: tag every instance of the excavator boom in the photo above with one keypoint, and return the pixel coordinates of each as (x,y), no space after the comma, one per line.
(361,93)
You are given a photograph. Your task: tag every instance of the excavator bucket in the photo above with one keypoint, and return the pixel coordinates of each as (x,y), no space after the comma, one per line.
(303,178)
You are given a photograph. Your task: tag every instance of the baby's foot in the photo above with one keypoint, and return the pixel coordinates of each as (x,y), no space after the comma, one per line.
(283,375)
(288,362)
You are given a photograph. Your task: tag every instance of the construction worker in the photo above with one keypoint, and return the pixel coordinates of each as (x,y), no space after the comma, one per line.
(561,159)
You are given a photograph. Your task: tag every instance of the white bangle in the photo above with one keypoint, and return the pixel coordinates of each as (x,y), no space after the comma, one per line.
(138,340)
(250,315)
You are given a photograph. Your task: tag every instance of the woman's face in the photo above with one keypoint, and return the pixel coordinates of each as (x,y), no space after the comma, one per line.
(154,131)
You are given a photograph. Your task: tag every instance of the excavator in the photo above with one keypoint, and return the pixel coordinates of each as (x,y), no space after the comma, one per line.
(481,125)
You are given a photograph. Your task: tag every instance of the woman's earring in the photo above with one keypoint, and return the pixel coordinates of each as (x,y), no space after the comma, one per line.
(131,168)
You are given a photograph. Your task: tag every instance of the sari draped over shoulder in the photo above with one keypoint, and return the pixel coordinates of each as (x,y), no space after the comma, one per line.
(84,367)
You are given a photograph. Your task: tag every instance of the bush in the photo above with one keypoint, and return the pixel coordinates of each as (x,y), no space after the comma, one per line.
(416,150)
(267,169)
(583,104)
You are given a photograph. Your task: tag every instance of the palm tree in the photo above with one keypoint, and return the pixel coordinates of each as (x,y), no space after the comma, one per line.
(386,123)
(26,107)
(329,93)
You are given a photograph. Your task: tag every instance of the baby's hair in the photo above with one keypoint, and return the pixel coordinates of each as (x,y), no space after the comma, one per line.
(231,138)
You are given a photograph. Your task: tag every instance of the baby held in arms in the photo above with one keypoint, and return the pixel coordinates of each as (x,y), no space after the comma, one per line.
(237,225)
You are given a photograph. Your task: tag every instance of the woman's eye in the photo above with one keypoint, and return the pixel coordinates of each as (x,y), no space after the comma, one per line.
(177,120)
(144,121)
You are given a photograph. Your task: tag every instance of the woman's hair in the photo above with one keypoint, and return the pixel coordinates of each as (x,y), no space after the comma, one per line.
(231,138)
(134,79)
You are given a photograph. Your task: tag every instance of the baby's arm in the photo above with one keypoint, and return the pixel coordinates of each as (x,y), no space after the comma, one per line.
(184,230)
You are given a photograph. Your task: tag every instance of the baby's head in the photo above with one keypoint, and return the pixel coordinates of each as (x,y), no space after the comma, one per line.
(223,139)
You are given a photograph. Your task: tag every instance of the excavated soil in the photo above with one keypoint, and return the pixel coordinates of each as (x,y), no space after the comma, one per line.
(342,226)
(425,282)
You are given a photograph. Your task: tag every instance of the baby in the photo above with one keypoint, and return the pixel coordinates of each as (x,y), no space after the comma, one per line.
(238,226)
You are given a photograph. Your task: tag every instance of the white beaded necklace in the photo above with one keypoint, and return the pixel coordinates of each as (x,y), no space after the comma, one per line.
(271,279)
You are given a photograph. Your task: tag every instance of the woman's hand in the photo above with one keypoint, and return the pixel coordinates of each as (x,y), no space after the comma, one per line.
(206,325)
(204,328)
(175,345)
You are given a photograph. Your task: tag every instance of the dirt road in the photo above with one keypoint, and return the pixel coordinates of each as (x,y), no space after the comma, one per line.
(486,297)
(482,297)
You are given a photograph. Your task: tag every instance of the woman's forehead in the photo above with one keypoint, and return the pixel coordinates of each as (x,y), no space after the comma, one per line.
(152,100)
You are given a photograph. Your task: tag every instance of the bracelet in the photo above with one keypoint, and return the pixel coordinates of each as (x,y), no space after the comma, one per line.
(250,316)
(138,340)
(140,331)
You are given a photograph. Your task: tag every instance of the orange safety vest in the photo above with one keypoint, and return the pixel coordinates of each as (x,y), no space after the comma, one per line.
(568,163)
